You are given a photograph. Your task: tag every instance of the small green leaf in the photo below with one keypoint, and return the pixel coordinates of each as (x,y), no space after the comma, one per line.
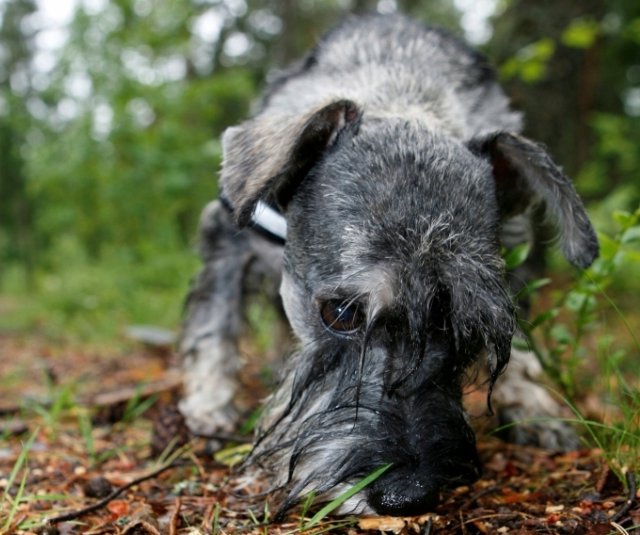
(530,62)
(344,496)
(532,71)
(581,33)
(308,502)
(538,283)
(233,455)
(578,301)
(516,256)
(541,50)
(509,69)
(249,424)
(543,318)
(18,465)
(608,246)
(561,334)
(522,345)
(631,235)
(531,287)
(624,219)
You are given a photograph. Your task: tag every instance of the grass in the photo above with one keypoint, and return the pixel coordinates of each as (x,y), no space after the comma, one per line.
(59,427)
(344,496)
(9,505)
(92,300)
(613,440)
(573,328)
(320,522)
(137,405)
(86,431)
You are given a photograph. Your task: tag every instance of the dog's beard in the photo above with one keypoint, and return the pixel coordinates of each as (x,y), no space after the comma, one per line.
(313,427)
(330,424)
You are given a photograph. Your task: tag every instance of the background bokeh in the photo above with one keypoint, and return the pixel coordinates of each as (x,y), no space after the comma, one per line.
(111,113)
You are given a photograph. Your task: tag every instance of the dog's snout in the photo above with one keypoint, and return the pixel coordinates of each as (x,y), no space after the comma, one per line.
(415,490)
(403,492)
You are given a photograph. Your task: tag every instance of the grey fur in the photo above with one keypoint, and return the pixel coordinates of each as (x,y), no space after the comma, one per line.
(394,156)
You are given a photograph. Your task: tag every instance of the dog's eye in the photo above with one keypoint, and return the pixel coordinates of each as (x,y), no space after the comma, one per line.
(341,317)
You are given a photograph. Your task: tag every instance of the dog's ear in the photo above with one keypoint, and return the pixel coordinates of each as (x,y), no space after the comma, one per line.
(525,174)
(268,156)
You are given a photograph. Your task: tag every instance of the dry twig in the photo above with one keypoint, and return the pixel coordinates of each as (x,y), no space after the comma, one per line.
(72,515)
(426,527)
(225,437)
(631,500)
(175,516)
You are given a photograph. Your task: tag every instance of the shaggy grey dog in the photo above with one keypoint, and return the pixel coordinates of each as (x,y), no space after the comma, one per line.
(391,161)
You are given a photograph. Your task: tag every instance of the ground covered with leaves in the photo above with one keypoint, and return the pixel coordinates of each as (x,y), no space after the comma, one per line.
(91,442)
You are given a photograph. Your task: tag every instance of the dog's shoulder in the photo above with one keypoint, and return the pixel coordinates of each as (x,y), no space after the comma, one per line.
(393,39)
(387,61)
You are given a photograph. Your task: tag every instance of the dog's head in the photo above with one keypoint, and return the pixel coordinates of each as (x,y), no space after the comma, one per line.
(394,283)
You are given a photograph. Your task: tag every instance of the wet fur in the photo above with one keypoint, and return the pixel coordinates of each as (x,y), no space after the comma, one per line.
(394,156)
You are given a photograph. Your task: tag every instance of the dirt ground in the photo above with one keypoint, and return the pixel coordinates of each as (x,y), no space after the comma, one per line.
(101,425)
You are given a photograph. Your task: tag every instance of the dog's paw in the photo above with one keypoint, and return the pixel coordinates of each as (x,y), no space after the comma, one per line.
(202,419)
(519,426)
(209,392)
(528,412)
(210,385)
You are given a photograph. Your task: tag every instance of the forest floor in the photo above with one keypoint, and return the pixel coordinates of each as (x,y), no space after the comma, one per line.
(86,435)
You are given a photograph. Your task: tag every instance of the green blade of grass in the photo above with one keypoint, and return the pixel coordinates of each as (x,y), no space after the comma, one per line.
(20,462)
(308,502)
(344,496)
(22,458)
(16,503)
(233,455)
(137,405)
(216,519)
(516,256)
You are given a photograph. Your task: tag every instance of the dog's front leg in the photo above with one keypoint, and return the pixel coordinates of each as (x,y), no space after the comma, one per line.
(527,410)
(213,324)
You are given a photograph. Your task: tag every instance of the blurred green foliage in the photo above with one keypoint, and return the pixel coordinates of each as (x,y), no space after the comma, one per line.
(110,126)
(530,62)
(574,68)
(109,146)
(582,329)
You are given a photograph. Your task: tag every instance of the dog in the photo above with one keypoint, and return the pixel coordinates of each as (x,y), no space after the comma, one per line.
(376,185)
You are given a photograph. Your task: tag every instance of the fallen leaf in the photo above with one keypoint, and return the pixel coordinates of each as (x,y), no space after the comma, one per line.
(118,508)
(383,523)
(550,509)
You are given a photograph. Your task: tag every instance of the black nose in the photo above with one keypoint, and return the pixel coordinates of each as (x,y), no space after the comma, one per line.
(415,490)
(403,494)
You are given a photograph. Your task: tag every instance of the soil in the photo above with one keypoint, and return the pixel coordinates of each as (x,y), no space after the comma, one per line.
(109,453)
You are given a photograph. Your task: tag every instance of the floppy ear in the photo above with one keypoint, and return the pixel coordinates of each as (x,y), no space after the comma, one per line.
(524,175)
(268,156)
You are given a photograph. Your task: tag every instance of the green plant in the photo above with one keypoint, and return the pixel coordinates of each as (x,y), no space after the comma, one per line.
(78,298)
(530,63)
(265,522)
(306,506)
(61,399)
(576,312)
(86,431)
(574,327)
(344,496)
(9,504)
(216,519)
(249,425)
(137,405)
